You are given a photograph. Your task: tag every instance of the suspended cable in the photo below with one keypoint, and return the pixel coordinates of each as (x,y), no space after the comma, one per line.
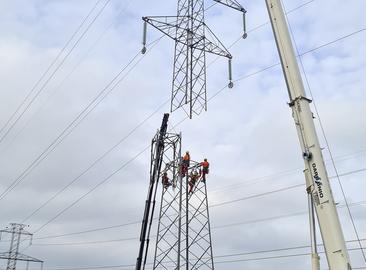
(103,155)
(257,195)
(260,26)
(76,122)
(136,238)
(215,227)
(37,161)
(273,257)
(106,153)
(216,262)
(91,230)
(50,77)
(141,152)
(88,51)
(50,66)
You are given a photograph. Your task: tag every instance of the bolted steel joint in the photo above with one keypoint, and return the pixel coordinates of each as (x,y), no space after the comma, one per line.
(307,155)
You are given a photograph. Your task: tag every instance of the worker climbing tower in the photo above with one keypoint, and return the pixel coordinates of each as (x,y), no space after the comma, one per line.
(193,39)
(183,239)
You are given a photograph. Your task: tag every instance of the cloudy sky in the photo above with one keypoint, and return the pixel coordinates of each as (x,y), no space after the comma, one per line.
(77,159)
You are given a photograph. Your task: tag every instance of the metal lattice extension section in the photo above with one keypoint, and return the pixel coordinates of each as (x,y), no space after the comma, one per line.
(193,39)
(168,240)
(199,231)
(184,234)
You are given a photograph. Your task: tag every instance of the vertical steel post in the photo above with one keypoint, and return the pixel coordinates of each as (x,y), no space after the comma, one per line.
(187,222)
(315,259)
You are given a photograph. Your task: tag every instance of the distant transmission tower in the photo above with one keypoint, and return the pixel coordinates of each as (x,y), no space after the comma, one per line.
(183,239)
(193,38)
(16,231)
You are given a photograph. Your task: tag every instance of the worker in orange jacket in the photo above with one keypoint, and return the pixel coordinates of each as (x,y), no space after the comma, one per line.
(205,169)
(185,163)
(165,180)
(194,177)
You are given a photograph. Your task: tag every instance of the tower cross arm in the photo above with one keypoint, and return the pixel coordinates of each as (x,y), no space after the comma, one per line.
(20,257)
(231,4)
(175,27)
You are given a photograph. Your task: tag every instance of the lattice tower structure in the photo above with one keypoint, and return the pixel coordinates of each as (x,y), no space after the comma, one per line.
(13,255)
(184,234)
(193,39)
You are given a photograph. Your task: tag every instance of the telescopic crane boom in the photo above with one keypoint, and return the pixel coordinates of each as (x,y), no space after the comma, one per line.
(330,227)
(157,156)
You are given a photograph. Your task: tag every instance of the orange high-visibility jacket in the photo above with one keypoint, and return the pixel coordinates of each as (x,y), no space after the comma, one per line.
(205,164)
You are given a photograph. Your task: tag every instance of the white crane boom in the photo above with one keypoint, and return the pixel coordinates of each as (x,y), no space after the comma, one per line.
(330,227)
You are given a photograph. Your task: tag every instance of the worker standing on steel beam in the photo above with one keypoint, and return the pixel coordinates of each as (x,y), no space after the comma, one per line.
(205,169)
(185,163)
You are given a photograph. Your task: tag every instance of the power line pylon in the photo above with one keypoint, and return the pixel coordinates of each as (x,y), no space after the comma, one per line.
(193,39)
(184,234)
(183,239)
(17,230)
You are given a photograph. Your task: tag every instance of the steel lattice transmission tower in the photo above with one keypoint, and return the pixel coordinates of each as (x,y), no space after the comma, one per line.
(184,235)
(13,255)
(183,239)
(193,39)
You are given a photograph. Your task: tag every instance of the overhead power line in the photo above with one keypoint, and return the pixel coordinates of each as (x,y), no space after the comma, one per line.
(23,107)
(76,122)
(216,262)
(85,171)
(142,151)
(257,195)
(115,145)
(281,173)
(136,238)
(215,227)
(75,67)
(273,257)
(70,128)
(77,178)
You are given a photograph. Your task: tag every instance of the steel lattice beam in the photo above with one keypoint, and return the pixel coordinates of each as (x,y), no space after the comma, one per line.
(17,231)
(193,39)
(232,4)
(184,235)
(168,246)
(183,239)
